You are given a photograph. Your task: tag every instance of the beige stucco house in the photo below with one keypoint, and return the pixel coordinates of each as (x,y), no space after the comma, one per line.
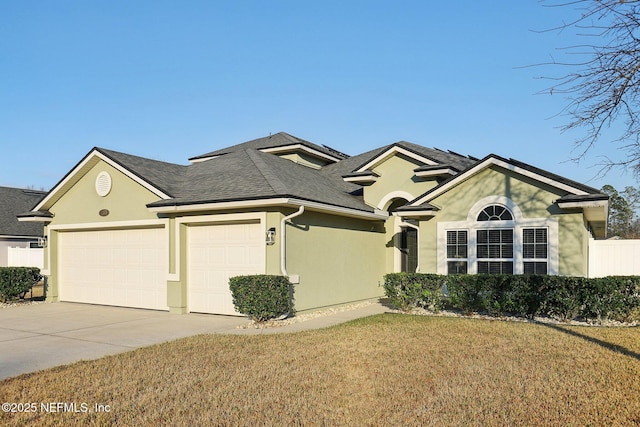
(130,231)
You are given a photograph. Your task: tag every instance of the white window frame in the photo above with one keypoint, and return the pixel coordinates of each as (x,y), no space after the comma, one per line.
(518,223)
(536,259)
(504,226)
(455,259)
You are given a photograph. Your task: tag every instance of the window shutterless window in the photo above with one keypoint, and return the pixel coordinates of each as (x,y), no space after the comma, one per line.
(494,251)
(535,250)
(457,252)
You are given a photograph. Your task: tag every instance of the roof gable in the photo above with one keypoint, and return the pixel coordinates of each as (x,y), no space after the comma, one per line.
(556,181)
(278,143)
(391,151)
(423,155)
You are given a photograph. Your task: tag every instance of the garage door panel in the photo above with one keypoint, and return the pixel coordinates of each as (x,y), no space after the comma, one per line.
(114,267)
(216,253)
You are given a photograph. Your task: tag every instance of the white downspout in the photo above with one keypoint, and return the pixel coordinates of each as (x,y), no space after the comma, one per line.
(283,240)
(415,227)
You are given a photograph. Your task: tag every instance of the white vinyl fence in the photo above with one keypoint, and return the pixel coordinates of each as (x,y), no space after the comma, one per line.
(26,257)
(614,258)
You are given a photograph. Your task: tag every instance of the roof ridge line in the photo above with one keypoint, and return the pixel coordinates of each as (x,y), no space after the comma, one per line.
(266,172)
(289,137)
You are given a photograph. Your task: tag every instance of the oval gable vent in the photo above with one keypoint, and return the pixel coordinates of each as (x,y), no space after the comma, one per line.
(103,184)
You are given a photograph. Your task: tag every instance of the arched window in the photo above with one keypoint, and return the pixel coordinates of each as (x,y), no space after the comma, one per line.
(495,213)
(494,246)
(496,238)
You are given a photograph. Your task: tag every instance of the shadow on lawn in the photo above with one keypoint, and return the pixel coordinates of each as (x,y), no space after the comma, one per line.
(609,346)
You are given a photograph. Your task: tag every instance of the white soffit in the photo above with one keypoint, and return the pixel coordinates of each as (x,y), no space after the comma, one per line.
(300,147)
(435,172)
(361,178)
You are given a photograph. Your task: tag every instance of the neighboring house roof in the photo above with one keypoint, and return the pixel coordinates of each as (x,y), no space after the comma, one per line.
(275,142)
(15,201)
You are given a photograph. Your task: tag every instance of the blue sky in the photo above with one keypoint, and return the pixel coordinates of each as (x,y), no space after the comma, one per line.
(174,79)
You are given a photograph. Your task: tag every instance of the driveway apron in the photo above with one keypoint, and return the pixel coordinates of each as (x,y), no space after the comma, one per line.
(40,336)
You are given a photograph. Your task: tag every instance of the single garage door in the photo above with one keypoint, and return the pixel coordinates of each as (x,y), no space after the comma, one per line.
(114,267)
(217,252)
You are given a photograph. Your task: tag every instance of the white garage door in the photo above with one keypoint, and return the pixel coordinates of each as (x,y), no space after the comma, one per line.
(217,252)
(114,267)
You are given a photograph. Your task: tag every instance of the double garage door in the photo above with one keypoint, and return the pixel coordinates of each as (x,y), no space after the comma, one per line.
(129,267)
(114,267)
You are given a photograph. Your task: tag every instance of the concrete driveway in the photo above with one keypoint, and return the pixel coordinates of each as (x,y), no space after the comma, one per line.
(41,336)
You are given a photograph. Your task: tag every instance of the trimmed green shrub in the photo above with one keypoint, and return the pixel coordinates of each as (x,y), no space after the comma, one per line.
(15,282)
(615,297)
(262,297)
(408,290)
(564,297)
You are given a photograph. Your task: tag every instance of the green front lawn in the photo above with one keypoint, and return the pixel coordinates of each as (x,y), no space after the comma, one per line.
(384,370)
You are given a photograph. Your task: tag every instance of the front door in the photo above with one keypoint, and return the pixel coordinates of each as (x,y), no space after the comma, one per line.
(408,250)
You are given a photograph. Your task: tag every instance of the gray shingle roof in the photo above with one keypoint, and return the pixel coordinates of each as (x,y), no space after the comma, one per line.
(167,177)
(16,201)
(458,161)
(250,174)
(244,172)
(346,167)
(279,139)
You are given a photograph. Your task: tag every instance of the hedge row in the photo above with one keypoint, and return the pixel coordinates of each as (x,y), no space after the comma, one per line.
(16,281)
(564,297)
(262,297)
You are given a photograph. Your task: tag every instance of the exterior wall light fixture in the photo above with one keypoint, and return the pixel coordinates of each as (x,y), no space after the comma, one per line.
(271,236)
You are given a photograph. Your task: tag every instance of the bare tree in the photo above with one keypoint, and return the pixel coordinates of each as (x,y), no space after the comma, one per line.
(603,83)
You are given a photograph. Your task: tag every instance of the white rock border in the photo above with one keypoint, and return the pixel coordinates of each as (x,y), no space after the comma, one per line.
(537,319)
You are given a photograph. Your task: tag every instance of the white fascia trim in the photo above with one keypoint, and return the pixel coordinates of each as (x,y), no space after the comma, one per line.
(301,147)
(392,151)
(435,172)
(7,236)
(362,178)
(35,219)
(415,214)
(89,158)
(144,223)
(376,214)
(505,165)
(584,204)
(199,207)
(210,219)
(202,159)
(282,201)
